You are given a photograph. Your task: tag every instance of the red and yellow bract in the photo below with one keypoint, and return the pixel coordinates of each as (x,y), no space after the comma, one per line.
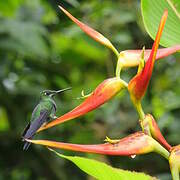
(91,32)
(103,93)
(131,58)
(134,144)
(155,131)
(138,85)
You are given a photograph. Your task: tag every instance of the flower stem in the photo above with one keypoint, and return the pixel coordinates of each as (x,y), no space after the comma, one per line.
(119,67)
(143,122)
(161,150)
(115,51)
(140,110)
(124,83)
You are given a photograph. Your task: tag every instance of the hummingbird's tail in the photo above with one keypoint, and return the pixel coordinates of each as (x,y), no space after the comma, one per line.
(26,146)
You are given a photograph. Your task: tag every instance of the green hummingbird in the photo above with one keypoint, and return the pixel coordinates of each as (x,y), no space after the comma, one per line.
(42,113)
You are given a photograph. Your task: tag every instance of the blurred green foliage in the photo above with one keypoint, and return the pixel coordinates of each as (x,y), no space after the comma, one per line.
(40,49)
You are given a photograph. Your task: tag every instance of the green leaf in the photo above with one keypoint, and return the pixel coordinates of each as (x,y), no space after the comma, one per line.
(103,171)
(152,11)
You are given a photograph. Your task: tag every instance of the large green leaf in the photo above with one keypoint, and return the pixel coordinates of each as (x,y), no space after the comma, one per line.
(103,171)
(152,11)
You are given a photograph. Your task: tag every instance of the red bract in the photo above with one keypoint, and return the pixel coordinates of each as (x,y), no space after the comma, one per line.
(131,58)
(138,85)
(91,32)
(155,131)
(103,93)
(137,143)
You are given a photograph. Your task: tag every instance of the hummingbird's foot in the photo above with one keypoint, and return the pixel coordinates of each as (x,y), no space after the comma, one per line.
(53,117)
(44,124)
(111,141)
(83,96)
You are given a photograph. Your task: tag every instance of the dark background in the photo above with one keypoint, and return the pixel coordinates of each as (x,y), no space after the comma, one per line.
(40,48)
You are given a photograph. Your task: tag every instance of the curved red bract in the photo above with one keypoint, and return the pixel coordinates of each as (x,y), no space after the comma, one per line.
(155,131)
(138,85)
(103,93)
(134,144)
(131,58)
(88,30)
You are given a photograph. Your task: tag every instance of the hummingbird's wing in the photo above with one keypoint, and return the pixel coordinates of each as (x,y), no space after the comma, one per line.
(25,129)
(34,126)
(37,123)
(32,118)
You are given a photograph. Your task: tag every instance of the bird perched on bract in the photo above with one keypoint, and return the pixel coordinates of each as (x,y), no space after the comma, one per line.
(42,113)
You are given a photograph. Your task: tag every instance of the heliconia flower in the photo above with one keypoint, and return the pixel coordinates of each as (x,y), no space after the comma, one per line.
(174,162)
(134,144)
(150,123)
(138,85)
(131,58)
(103,93)
(91,32)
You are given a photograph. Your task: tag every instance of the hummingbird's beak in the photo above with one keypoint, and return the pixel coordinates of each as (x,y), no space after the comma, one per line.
(61,90)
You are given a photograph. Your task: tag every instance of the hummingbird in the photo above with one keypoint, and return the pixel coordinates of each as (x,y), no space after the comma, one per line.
(42,113)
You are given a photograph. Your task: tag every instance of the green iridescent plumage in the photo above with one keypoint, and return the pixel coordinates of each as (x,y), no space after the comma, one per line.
(42,113)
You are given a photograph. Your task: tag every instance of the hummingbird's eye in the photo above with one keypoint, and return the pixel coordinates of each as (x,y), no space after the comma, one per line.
(45,93)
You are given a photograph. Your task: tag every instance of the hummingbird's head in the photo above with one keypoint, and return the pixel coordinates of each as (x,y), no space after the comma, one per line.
(52,93)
